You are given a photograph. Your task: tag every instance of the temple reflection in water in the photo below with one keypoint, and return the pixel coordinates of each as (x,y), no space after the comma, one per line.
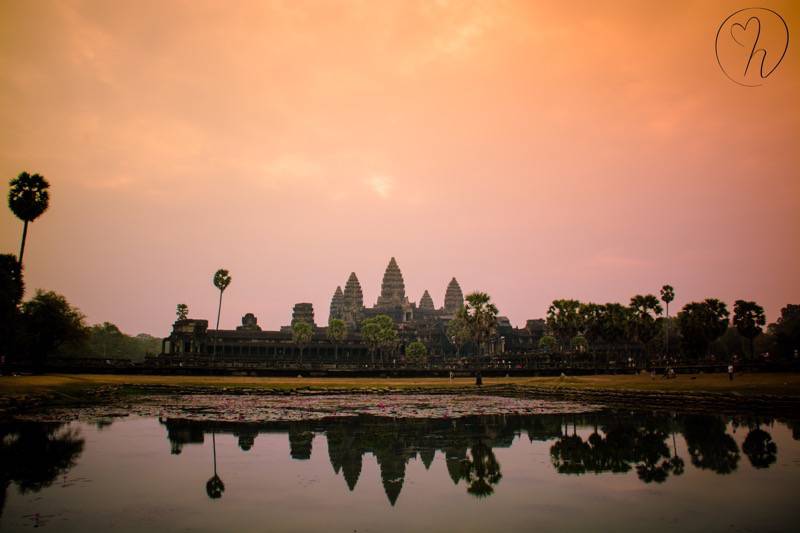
(593,443)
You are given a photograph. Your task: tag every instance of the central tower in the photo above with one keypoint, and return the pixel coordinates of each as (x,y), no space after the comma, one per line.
(393,289)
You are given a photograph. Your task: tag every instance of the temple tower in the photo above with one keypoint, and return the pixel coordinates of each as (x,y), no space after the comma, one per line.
(305,312)
(393,289)
(337,305)
(426,303)
(453,298)
(353,300)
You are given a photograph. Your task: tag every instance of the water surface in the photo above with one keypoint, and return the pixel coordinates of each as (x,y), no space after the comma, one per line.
(607,470)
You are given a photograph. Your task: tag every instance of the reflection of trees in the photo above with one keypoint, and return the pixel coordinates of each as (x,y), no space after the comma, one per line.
(618,442)
(33,454)
(709,445)
(482,470)
(759,448)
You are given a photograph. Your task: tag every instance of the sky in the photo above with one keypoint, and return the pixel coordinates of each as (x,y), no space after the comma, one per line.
(533,150)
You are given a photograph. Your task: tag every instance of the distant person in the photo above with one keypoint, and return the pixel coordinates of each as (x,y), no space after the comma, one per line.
(730,372)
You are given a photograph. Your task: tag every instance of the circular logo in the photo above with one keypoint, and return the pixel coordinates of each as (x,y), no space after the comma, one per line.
(750,45)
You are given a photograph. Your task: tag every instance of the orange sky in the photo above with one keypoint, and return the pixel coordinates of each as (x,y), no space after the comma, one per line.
(531,150)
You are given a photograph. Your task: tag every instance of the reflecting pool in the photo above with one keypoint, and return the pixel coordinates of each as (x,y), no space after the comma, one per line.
(604,470)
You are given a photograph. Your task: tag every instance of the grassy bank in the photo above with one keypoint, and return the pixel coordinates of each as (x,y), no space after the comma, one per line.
(784,385)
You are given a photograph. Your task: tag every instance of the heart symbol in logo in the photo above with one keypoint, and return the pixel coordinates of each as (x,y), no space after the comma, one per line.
(746,35)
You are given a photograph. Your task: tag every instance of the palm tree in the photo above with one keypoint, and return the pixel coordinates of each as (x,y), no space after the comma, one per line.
(28,198)
(182,311)
(302,333)
(221,281)
(337,331)
(667,295)
(480,316)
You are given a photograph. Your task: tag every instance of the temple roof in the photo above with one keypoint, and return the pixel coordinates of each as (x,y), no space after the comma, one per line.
(353,296)
(393,289)
(453,297)
(426,303)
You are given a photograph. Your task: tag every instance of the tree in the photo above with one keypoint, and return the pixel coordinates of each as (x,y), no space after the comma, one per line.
(458,333)
(565,320)
(480,316)
(644,311)
(28,198)
(302,332)
(787,331)
(11,290)
(667,295)
(579,343)
(337,332)
(701,323)
(547,343)
(182,311)
(221,281)
(48,322)
(416,354)
(749,319)
(379,333)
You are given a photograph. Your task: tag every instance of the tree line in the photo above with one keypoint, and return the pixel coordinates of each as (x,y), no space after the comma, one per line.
(47,324)
(699,330)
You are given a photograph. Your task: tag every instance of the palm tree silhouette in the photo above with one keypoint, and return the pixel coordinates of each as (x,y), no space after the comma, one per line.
(221,281)
(28,199)
(667,295)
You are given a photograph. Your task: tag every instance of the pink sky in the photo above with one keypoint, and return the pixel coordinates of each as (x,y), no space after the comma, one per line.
(530,150)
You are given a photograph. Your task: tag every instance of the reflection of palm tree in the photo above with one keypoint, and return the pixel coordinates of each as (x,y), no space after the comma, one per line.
(214,486)
(483,470)
(676,463)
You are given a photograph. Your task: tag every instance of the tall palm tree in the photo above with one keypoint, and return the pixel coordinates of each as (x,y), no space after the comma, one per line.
(28,198)
(480,316)
(667,295)
(221,281)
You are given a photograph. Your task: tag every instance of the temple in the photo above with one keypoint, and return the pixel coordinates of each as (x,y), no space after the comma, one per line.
(249,344)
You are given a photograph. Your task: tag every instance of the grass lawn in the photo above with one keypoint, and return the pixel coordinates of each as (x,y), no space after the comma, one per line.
(784,384)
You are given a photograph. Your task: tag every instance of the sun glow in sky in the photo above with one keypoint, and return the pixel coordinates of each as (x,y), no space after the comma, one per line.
(532,150)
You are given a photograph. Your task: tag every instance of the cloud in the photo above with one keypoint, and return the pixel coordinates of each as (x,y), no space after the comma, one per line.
(380,185)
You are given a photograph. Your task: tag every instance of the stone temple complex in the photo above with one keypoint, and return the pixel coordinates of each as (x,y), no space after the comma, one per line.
(414,321)
(349,305)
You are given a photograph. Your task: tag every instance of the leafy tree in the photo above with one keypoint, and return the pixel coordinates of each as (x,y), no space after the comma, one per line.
(787,331)
(379,333)
(182,311)
(416,354)
(302,332)
(749,319)
(458,333)
(701,323)
(644,309)
(547,343)
(607,324)
(480,316)
(667,296)
(11,290)
(221,281)
(336,333)
(565,320)
(28,198)
(107,341)
(48,322)
(579,343)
